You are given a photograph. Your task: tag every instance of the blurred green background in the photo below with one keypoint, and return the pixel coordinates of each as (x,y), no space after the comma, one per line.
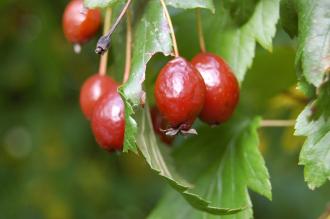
(50,166)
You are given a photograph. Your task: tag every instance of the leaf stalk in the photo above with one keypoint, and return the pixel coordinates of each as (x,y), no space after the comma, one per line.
(200,30)
(128,57)
(169,21)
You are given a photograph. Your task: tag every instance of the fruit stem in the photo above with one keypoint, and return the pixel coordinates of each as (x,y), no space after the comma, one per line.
(103,43)
(128,47)
(104,58)
(200,30)
(277,123)
(169,21)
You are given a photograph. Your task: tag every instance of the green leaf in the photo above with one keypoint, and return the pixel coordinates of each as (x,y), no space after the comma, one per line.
(208,4)
(289,17)
(314,122)
(315,152)
(173,202)
(314,39)
(237,45)
(240,10)
(313,62)
(221,169)
(322,104)
(151,36)
(100,3)
(159,160)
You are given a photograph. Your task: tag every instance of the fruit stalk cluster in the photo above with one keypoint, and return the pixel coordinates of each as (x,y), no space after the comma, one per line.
(204,87)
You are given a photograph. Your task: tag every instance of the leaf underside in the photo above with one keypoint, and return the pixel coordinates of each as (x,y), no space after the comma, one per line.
(314,122)
(313,64)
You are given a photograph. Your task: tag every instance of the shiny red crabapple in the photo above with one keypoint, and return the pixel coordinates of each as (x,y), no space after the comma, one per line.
(222,89)
(79,23)
(92,90)
(160,124)
(108,122)
(179,93)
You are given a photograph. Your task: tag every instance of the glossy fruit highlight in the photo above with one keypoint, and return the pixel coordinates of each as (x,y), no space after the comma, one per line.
(180,93)
(222,88)
(108,122)
(79,23)
(92,90)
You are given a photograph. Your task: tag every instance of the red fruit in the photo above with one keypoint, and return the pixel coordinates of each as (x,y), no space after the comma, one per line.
(180,93)
(160,124)
(108,122)
(92,90)
(79,23)
(222,89)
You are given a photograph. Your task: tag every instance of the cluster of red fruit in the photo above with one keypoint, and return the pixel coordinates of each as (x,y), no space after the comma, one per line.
(204,88)
(99,99)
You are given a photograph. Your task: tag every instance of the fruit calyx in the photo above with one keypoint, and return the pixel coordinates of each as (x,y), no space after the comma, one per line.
(175,131)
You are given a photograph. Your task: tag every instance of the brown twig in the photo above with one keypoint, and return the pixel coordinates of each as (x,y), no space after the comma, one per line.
(103,43)
(104,58)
